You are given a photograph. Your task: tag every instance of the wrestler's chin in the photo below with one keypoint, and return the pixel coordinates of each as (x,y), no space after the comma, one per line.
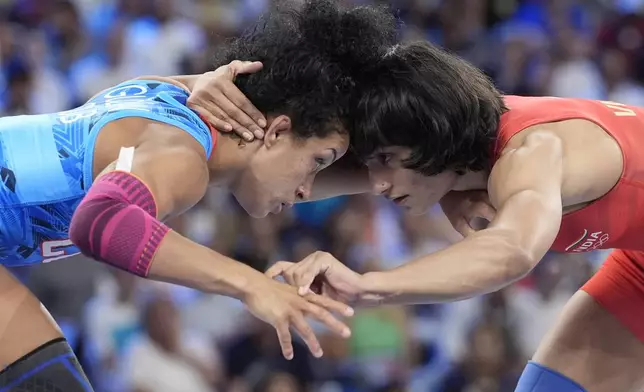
(413,207)
(419,211)
(255,210)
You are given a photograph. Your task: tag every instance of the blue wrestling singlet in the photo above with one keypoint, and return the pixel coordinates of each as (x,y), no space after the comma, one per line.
(46,164)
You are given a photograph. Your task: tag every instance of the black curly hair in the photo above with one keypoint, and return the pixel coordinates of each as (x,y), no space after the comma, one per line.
(442,108)
(310,54)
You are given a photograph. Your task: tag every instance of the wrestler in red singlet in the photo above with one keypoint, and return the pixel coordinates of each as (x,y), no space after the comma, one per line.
(546,173)
(615,220)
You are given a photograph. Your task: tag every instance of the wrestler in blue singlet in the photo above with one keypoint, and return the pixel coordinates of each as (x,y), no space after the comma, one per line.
(46,164)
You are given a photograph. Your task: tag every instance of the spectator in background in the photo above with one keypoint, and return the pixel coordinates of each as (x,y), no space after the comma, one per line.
(96,72)
(490,366)
(112,322)
(65,32)
(65,289)
(48,81)
(620,54)
(19,86)
(574,74)
(279,382)
(351,234)
(254,355)
(159,43)
(167,359)
(535,305)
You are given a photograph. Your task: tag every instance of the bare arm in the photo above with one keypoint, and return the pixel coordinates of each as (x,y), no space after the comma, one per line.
(525,187)
(117,223)
(178,177)
(173,166)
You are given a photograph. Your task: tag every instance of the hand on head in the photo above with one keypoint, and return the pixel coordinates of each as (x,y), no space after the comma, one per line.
(216,97)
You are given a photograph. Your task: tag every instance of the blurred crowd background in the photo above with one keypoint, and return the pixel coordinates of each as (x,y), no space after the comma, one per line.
(139,336)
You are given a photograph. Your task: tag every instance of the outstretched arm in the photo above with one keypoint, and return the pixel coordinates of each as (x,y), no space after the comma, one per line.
(525,187)
(119,223)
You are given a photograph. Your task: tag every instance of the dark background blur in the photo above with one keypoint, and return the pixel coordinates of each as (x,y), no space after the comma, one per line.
(139,336)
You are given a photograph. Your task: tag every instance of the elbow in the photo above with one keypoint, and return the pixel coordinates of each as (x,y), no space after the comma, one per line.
(517,261)
(90,223)
(519,264)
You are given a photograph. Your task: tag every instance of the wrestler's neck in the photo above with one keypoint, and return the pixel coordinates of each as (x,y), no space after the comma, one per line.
(471,181)
(230,157)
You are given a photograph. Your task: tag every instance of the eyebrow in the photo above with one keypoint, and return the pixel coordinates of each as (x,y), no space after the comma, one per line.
(372,156)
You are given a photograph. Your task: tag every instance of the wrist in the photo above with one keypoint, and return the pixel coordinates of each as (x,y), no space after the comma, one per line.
(243,282)
(232,279)
(201,268)
(372,289)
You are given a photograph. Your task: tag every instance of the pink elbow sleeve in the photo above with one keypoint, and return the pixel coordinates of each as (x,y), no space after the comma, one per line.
(116,223)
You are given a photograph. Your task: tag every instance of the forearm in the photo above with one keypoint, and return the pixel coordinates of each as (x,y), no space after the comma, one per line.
(116,224)
(181,261)
(480,264)
(484,262)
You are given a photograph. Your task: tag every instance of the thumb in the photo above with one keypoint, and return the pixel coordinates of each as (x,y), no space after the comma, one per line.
(249,67)
(278,269)
(305,276)
(237,67)
(485,210)
(464,228)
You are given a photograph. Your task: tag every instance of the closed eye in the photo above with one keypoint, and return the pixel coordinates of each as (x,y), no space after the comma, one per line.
(383,158)
(319,163)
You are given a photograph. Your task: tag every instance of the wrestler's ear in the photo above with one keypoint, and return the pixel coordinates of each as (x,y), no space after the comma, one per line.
(278,128)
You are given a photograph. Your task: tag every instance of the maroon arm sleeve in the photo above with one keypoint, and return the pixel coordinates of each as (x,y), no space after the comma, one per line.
(116,223)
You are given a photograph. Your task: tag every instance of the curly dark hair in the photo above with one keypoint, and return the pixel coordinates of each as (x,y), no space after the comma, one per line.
(435,103)
(310,54)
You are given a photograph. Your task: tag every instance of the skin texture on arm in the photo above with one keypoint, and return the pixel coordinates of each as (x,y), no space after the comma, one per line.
(525,188)
(173,167)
